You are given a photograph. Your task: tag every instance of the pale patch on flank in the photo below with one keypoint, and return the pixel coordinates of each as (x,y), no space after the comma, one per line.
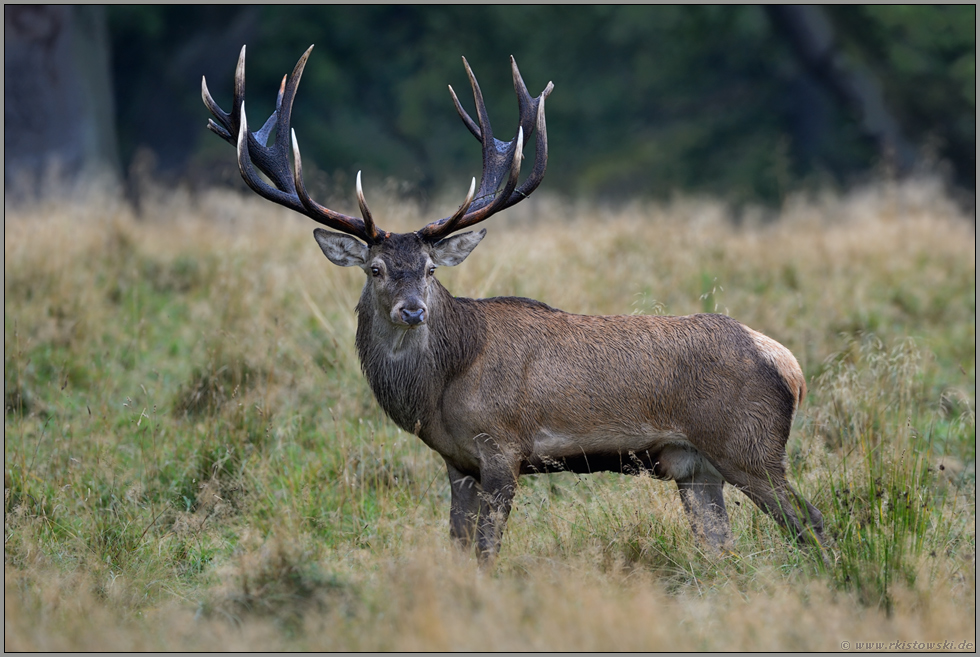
(785,363)
(552,444)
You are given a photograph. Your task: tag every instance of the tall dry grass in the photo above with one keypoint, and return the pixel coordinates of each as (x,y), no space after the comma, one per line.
(193,461)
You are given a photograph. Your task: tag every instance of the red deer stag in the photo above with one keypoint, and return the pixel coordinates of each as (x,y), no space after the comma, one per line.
(509,386)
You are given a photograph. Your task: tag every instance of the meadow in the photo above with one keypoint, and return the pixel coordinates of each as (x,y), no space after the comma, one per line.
(193,460)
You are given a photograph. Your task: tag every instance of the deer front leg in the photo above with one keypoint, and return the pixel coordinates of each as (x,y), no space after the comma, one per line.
(464,507)
(499,468)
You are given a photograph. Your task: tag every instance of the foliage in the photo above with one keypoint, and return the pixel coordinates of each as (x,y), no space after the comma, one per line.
(648,100)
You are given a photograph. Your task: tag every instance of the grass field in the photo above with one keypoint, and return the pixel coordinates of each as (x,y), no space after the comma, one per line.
(193,461)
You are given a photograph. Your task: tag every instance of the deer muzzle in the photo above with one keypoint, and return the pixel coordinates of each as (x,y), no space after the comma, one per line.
(410,313)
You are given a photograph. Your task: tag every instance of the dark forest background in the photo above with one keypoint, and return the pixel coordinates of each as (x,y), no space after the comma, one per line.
(747,103)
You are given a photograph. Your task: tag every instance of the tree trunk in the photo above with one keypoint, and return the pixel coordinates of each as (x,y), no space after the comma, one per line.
(58,104)
(811,37)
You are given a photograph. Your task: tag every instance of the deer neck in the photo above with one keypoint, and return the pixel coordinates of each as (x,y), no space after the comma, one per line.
(408,368)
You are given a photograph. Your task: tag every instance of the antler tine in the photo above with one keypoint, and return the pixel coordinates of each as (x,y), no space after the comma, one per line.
(450,225)
(467,121)
(369,227)
(495,152)
(500,201)
(287,189)
(220,129)
(500,158)
(336,220)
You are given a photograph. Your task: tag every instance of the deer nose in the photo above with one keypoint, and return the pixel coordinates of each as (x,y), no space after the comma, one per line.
(413,316)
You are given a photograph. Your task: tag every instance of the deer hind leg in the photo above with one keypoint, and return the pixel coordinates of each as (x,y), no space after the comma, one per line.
(772,493)
(701,487)
(705,507)
(810,516)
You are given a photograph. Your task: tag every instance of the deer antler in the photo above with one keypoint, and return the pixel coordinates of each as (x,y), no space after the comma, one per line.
(273,161)
(500,159)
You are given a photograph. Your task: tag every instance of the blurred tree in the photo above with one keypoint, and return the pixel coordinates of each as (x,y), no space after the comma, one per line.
(925,57)
(648,99)
(813,40)
(159,56)
(58,112)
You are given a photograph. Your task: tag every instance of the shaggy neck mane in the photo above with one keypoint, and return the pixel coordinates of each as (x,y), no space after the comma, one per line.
(409,368)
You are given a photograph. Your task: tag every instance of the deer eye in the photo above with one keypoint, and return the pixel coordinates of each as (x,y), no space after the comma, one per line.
(432,270)
(375,271)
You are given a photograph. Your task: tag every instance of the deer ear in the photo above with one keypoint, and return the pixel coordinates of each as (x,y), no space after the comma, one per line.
(453,250)
(341,249)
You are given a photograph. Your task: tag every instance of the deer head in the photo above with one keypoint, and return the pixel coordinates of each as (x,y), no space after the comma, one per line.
(399,267)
